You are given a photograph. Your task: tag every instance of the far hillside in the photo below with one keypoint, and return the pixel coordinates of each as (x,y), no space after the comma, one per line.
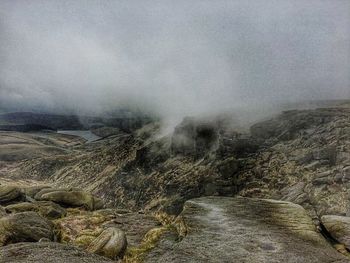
(30,121)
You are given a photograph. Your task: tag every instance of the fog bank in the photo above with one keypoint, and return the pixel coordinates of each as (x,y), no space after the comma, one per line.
(174,58)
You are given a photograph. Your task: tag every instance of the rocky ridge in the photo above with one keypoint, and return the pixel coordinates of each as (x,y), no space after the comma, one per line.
(305,159)
(300,156)
(77,230)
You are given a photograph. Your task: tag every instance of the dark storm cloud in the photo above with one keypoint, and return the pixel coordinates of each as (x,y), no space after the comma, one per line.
(173,57)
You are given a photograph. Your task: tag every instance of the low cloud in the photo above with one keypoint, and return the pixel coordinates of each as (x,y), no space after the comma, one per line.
(174,58)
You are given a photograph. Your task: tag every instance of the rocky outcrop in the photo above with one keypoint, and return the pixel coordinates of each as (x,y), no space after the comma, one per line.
(46,209)
(70,197)
(338,227)
(31,191)
(289,124)
(300,156)
(47,252)
(25,226)
(80,228)
(220,229)
(304,158)
(102,232)
(164,175)
(9,193)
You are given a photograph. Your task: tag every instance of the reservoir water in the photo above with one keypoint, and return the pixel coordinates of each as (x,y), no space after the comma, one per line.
(86,134)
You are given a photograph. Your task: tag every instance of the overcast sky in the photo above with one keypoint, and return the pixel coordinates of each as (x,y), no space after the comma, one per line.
(174,57)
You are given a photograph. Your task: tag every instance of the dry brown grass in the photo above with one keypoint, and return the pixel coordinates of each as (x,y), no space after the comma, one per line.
(137,254)
(150,240)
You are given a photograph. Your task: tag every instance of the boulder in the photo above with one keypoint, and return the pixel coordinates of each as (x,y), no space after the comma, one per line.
(43,191)
(338,227)
(110,243)
(9,193)
(225,229)
(47,252)
(31,191)
(46,209)
(70,198)
(295,193)
(25,226)
(81,228)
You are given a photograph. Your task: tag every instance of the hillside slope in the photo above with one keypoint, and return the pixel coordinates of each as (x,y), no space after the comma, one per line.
(304,158)
(300,156)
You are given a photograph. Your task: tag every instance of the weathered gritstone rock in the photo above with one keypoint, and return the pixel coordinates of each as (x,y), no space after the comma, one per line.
(297,146)
(304,159)
(110,243)
(33,190)
(37,195)
(164,175)
(70,198)
(240,229)
(9,193)
(46,209)
(26,226)
(2,211)
(47,252)
(90,167)
(80,228)
(338,227)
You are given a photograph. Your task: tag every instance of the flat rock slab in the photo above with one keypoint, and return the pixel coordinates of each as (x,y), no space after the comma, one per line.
(47,252)
(223,229)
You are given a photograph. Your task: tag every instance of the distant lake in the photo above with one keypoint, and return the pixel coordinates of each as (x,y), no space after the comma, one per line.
(86,134)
